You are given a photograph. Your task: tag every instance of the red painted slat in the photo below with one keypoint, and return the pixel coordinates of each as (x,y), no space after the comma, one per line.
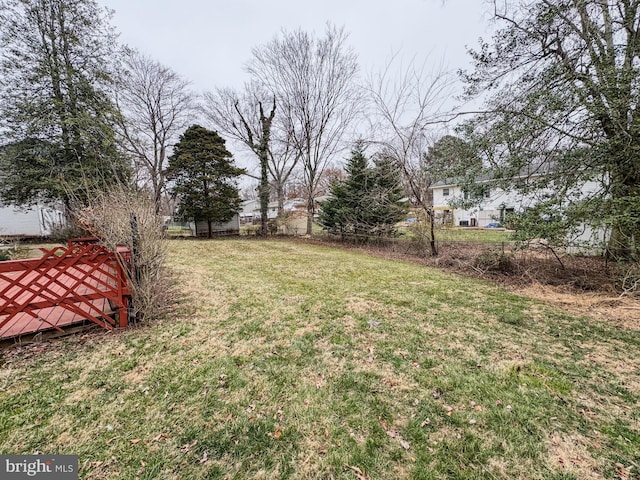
(65,286)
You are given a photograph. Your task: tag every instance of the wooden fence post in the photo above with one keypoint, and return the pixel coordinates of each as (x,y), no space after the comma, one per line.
(135,269)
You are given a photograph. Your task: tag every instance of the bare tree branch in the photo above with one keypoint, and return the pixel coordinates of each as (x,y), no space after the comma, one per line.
(313,81)
(407,107)
(155,103)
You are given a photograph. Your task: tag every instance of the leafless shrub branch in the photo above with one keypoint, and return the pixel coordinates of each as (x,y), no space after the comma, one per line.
(108,216)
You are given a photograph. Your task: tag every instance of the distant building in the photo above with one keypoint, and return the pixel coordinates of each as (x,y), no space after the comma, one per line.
(250,212)
(495,204)
(201,228)
(37,221)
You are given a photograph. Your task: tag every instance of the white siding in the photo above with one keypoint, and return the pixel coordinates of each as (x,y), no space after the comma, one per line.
(490,208)
(232,226)
(36,222)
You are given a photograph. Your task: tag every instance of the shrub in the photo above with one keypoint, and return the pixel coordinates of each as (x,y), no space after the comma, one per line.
(494,260)
(109,216)
(628,279)
(12,250)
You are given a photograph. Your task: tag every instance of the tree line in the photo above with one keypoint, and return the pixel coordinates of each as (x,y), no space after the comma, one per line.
(559,81)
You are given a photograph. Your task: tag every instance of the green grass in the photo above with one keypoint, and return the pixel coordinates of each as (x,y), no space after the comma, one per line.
(455,234)
(490,235)
(178,230)
(287,360)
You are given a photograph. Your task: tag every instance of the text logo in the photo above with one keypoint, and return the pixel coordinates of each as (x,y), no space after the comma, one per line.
(45,467)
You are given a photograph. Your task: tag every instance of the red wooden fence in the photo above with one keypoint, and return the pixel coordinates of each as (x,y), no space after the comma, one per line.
(68,285)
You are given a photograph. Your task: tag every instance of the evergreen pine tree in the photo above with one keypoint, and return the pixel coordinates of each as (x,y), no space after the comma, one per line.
(342,213)
(204,177)
(386,200)
(368,202)
(56,117)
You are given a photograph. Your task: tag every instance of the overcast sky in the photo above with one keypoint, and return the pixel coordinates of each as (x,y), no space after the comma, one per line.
(209,41)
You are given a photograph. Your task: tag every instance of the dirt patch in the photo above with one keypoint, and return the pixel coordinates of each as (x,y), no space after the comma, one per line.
(360,306)
(609,358)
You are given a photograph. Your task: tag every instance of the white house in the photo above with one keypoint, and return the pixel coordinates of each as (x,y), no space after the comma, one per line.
(37,221)
(492,207)
(496,203)
(251,209)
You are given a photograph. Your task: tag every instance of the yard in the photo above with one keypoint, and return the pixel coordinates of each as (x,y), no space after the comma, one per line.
(465,234)
(291,360)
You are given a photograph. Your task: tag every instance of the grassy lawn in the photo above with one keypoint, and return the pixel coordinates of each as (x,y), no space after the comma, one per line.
(490,235)
(462,234)
(288,360)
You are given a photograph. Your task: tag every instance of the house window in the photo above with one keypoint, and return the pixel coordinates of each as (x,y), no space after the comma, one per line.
(445,192)
(487,193)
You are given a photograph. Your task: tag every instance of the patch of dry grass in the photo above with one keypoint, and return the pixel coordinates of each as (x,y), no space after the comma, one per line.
(621,311)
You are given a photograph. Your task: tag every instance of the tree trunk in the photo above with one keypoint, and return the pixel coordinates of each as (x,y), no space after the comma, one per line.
(280,195)
(310,210)
(210,232)
(264,193)
(625,190)
(310,223)
(157,198)
(432,240)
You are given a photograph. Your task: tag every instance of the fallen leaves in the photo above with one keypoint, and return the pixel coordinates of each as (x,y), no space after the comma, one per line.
(188,446)
(277,433)
(159,437)
(360,474)
(395,435)
(404,444)
(624,473)
(371,354)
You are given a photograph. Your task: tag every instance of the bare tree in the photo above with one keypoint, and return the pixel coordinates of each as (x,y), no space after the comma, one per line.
(283,160)
(313,82)
(244,118)
(331,175)
(406,108)
(155,103)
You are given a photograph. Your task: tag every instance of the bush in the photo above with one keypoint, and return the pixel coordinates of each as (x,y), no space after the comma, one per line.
(62,233)
(109,217)
(420,234)
(494,260)
(12,250)
(272,226)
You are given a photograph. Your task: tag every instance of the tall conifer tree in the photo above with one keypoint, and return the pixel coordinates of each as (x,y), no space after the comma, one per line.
(204,177)
(55,113)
